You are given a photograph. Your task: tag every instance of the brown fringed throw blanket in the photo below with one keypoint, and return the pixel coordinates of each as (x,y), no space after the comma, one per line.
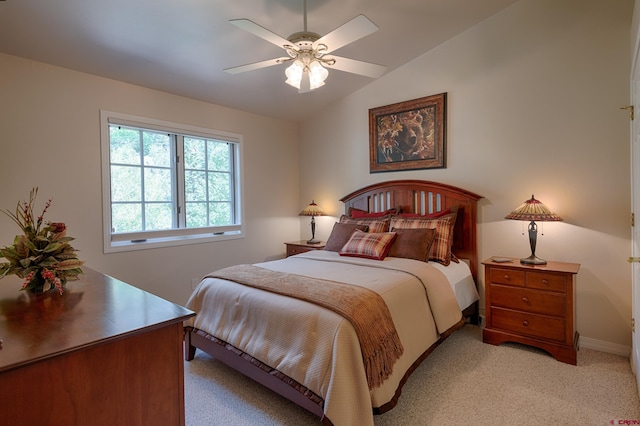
(363,308)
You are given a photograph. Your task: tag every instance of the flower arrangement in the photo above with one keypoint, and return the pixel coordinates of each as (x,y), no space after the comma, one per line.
(42,255)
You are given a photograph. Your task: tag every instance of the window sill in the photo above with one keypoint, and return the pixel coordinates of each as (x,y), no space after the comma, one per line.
(152,243)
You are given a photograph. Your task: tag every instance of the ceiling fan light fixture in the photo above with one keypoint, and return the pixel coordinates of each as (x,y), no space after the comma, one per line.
(313,74)
(294,73)
(317,75)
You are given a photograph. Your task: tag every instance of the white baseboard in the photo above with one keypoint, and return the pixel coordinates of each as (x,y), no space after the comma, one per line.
(602,346)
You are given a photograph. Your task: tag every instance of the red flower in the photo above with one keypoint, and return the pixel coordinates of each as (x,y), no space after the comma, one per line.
(57,227)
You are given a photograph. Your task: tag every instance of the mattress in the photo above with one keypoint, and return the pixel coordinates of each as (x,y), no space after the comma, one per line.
(461,280)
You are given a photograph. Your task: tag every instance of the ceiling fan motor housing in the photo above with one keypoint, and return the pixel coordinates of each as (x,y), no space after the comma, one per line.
(303,39)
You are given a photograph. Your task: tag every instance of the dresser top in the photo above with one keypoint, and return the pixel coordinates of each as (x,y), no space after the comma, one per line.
(550,266)
(95,309)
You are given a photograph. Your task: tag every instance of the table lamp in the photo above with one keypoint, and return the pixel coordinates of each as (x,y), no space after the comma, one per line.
(312,210)
(533,210)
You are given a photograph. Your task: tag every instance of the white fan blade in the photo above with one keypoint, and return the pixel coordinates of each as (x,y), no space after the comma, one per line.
(256,65)
(260,31)
(349,32)
(356,67)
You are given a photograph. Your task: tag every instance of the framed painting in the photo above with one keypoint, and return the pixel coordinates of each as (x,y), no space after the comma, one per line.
(408,135)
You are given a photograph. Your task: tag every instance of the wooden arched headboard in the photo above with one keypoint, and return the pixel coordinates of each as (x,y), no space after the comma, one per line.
(425,197)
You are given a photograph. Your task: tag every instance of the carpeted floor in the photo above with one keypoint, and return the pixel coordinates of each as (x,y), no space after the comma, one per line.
(464,382)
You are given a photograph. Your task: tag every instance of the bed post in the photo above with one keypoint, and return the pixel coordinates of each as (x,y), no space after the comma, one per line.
(189,349)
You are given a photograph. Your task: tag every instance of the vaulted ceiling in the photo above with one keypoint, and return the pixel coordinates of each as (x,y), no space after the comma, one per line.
(182,46)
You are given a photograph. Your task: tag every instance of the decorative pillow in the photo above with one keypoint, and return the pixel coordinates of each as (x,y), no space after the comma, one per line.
(443,225)
(368,245)
(341,233)
(380,224)
(358,214)
(413,243)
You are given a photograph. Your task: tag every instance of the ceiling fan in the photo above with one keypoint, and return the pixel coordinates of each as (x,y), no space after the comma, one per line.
(310,54)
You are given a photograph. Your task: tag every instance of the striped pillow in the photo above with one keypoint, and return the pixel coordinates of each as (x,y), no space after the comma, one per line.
(441,248)
(368,245)
(380,224)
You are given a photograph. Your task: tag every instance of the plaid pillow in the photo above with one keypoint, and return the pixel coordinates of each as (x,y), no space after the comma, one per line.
(368,245)
(379,224)
(443,225)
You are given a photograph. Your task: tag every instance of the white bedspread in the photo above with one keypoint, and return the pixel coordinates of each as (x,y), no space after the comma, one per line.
(319,348)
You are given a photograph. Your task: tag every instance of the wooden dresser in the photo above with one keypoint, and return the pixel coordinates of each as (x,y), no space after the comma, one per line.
(533,305)
(102,353)
(297,247)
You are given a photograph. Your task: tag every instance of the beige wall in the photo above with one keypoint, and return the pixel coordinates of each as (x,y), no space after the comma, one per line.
(50,138)
(533,107)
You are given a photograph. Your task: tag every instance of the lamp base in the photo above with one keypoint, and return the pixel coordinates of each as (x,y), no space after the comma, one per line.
(533,260)
(313,241)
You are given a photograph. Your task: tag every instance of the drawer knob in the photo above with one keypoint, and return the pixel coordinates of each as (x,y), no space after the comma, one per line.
(525,323)
(507,277)
(545,281)
(525,299)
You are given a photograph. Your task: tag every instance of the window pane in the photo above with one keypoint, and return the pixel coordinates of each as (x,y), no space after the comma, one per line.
(126,184)
(196,215)
(157,149)
(219,187)
(219,158)
(195,186)
(126,217)
(158,216)
(124,145)
(157,184)
(194,153)
(220,214)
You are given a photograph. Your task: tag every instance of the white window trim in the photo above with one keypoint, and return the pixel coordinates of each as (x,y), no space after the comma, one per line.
(175,237)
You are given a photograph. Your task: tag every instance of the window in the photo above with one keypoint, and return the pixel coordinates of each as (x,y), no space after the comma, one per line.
(168,184)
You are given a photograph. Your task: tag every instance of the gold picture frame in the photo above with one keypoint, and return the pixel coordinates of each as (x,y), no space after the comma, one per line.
(408,135)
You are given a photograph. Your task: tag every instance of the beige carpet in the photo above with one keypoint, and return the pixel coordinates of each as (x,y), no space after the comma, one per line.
(464,382)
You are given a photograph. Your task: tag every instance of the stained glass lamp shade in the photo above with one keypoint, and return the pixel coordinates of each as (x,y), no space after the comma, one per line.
(312,210)
(533,210)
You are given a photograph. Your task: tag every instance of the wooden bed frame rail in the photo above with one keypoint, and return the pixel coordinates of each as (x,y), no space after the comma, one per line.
(250,368)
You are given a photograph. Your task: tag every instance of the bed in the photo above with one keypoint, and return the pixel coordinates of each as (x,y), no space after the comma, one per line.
(280,322)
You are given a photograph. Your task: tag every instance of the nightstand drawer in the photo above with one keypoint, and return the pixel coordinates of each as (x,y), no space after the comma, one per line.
(522,323)
(546,281)
(297,247)
(293,250)
(535,301)
(507,276)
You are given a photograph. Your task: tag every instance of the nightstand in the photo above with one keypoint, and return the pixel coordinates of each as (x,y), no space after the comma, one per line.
(532,305)
(297,247)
